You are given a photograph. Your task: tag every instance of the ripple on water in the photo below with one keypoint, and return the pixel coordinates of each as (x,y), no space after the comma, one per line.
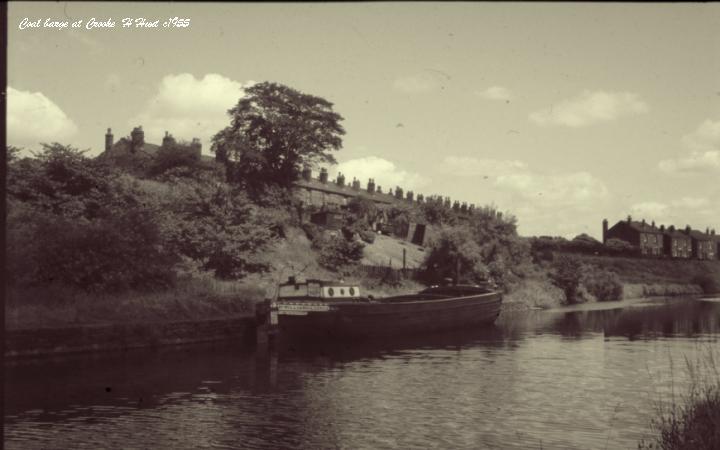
(585,379)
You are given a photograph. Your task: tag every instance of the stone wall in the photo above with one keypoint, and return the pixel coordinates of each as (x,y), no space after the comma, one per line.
(53,341)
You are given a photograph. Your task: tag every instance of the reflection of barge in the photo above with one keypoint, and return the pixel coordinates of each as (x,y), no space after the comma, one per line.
(335,310)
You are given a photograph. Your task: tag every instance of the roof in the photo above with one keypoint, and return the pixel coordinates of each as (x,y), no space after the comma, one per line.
(700,236)
(676,234)
(122,147)
(345,191)
(641,227)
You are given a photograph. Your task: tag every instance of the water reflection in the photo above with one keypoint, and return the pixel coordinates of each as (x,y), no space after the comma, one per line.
(552,379)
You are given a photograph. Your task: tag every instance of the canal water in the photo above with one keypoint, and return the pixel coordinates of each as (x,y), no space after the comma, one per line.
(541,379)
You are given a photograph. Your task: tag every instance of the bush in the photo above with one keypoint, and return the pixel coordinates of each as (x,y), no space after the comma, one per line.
(619,247)
(566,275)
(708,283)
(694,422)
(336,252)
(367,236)
(603,284)
(174,155)
(108,254)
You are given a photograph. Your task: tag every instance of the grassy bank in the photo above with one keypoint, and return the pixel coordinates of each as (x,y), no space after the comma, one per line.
(638,277)
(659,271)
(190,299)
(692,420)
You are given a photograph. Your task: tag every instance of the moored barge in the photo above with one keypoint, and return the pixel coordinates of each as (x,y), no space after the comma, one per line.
(335,310)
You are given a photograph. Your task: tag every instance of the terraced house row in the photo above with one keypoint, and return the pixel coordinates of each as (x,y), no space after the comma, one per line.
(668,242)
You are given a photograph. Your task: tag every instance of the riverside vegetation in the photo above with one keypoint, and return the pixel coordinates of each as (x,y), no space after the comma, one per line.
(690,420)
(178,237)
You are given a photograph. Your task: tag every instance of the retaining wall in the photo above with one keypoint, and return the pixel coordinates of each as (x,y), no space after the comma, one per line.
(53,341)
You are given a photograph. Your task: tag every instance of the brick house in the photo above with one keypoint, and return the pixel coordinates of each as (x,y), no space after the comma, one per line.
(676,244)
(704,245)
(647,237)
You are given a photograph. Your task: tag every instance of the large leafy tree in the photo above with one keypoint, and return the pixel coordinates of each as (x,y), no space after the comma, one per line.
(274,130)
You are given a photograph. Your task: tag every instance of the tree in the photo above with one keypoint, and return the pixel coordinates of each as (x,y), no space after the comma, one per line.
(566,275)
(172,155)
(621,247)
(274,131)
(454,254)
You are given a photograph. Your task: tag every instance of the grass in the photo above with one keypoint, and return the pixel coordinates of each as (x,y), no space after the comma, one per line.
(190,299)
(693,420)
(657,271)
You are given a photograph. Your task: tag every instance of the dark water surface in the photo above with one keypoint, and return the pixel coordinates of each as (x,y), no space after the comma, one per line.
(587,379)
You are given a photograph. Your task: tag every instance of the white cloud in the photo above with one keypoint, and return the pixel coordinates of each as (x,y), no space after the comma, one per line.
(416,84)
(386,173)
(468,166)
(573,190)
(705,138)
(704,155)
(691,202)
(495,93)
(188,107)
(650,210)
(544,203)
(591,107)
(698,212)
(112,82)
(33,118)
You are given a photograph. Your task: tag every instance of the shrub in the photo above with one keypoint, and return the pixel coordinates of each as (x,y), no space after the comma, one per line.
(603,284)
(708,283)
(174,155)
(620,247)
(336,252)
(566,275)
(694,422)
(367,236)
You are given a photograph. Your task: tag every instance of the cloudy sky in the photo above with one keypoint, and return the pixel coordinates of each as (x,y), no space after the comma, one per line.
(561,114)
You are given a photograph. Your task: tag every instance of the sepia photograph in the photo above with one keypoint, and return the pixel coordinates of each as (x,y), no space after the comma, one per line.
(362,225)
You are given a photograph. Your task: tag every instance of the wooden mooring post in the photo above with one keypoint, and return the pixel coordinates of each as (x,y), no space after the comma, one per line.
(266,320)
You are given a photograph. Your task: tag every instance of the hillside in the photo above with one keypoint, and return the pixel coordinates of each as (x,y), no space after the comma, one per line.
(649,270)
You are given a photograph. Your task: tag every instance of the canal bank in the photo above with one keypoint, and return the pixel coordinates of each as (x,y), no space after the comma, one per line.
(119,337)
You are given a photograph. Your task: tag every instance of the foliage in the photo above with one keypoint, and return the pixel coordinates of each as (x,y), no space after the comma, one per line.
(367,236)
(61,180)
(77,222)
(566,275)
(71,222)
(615,246)
(454,254)
(694,421)
(603,284)
(336,252)
(274,131)
(435,212)
(708,283)
(219,227)
(172,155)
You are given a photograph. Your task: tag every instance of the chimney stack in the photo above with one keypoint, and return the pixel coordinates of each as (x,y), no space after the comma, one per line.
(196,146)
(323,175)
(306,173)
(604,230)
(108,140)
(340,180)
(371,186)
(137,138)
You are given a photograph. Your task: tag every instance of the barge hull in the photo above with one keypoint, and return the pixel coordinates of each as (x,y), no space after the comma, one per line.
(370,320)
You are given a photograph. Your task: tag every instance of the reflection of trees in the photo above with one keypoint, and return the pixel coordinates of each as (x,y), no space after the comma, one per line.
(676,318)
(685,318)
(569,325)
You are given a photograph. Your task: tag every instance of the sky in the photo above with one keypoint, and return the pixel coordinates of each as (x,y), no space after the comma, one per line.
(560,114)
